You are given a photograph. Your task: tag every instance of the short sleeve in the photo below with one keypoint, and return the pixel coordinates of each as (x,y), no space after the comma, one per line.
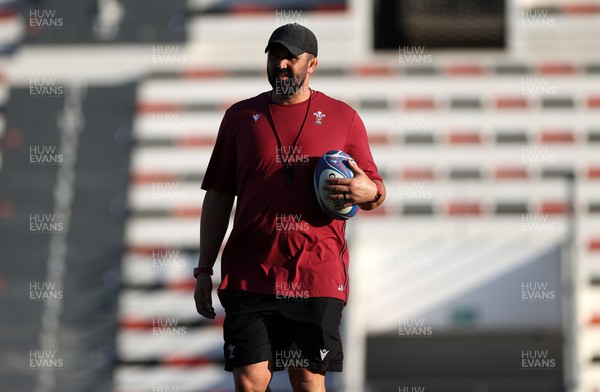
(221,171)
(357,146)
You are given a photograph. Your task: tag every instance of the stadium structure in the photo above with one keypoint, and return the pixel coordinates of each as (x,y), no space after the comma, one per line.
(480,273)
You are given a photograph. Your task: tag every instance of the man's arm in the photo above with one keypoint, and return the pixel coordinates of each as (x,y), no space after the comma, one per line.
(216,210)
(372,205)
(359,189)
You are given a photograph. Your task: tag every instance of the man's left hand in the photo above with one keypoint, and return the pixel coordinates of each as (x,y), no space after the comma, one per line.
(356,190)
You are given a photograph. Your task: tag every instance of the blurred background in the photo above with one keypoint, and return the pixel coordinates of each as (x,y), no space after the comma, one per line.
(480,273)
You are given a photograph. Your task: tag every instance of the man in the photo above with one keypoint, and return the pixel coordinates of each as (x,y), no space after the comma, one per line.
(284,267)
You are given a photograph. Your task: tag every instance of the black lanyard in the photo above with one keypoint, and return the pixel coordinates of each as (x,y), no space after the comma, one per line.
(289,172)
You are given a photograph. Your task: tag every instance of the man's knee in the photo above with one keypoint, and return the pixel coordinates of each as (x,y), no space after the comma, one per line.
(253,378)
(303,380)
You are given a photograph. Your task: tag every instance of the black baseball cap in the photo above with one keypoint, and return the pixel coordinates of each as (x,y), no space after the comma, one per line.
(295,37)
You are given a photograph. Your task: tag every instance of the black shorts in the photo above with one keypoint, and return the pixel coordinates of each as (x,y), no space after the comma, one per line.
(292,333)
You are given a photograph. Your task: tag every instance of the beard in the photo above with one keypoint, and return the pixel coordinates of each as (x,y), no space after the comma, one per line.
(288,86)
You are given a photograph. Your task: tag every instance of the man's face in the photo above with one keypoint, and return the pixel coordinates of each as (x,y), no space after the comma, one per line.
(286,73)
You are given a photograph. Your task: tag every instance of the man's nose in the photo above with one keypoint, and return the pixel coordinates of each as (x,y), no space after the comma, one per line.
(283,63)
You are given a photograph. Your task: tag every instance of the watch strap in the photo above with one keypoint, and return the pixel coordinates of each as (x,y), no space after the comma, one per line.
(202,270)
(379,194)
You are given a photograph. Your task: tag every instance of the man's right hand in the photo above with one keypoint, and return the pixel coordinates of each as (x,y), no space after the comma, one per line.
(202,296)
(216,209)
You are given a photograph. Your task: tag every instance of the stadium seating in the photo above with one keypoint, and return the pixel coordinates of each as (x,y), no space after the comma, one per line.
(490,158)
(469,146)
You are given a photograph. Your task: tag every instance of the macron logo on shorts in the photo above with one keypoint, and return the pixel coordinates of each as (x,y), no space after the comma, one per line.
(323,353)
(256,117)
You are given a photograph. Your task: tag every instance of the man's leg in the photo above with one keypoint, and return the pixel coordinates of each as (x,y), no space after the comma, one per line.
(253,378)
(303,380)
(314,326)
(247,346)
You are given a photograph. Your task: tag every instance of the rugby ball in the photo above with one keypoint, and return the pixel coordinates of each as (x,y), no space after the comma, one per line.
(331,165)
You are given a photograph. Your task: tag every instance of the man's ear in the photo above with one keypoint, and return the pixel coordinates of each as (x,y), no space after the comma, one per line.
(312,64)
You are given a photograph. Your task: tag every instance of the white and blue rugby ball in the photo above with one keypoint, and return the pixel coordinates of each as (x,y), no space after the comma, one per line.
(331,165)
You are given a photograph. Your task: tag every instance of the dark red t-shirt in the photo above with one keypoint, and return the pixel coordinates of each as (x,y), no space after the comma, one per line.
(282,243)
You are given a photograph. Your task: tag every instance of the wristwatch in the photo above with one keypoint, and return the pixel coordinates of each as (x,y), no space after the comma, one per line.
(202,270)
(379,194)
